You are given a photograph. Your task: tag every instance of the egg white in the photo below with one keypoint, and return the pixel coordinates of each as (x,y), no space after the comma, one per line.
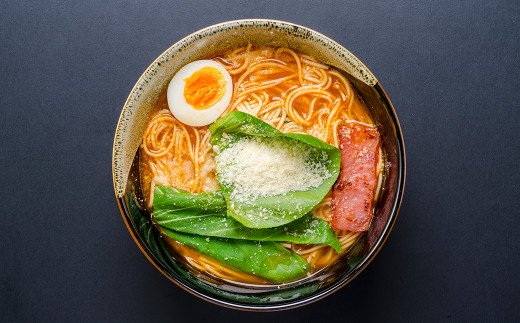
(182,110)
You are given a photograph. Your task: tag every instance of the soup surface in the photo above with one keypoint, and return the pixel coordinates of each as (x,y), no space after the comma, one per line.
(292,92)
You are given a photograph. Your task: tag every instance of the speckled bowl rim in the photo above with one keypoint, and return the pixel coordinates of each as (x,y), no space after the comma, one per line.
(367,77)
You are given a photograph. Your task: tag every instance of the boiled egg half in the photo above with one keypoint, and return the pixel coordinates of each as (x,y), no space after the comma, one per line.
(200,92)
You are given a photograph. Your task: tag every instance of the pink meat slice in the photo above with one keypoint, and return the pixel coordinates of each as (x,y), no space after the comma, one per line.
(353,193)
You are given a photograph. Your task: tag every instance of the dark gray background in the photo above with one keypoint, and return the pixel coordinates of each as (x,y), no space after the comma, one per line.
(450,68)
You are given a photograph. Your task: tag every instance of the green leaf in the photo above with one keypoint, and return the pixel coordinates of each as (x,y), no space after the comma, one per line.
(273,211)
(205,214)
(155,245)
(265,259)
(181,202)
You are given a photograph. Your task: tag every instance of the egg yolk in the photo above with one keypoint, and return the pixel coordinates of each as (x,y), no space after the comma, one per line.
(204,88)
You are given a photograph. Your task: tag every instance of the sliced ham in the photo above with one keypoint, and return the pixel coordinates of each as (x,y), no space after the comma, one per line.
(353,193)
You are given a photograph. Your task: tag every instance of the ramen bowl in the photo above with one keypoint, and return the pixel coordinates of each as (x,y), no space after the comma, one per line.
(155,81)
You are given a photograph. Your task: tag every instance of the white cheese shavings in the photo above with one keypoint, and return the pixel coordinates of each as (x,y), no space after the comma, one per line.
(263,167)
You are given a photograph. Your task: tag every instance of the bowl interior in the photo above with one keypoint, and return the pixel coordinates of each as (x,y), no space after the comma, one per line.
(214,39)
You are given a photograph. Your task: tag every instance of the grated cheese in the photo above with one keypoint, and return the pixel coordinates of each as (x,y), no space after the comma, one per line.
(263,167)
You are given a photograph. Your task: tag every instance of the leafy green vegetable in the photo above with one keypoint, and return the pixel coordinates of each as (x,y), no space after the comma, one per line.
(205,214)
(265,259)
(172,200)
(154,244)
(273,211)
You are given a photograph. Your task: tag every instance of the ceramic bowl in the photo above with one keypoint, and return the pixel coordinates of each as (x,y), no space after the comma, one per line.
(276,34)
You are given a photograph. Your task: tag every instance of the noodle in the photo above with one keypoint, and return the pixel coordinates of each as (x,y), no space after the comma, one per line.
(292,92)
